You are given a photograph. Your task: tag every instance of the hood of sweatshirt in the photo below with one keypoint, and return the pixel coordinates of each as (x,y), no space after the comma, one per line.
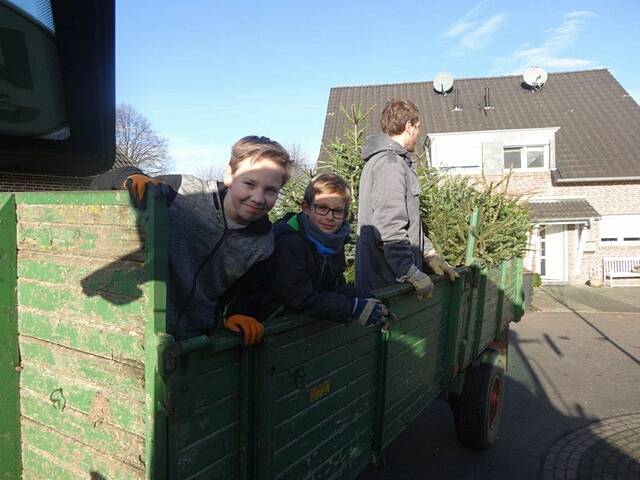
(374,144)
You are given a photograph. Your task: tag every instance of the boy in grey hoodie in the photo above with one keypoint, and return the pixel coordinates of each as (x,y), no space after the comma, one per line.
(217,231)
(391,245)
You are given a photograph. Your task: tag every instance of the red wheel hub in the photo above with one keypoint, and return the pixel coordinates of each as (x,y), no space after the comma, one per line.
(494,401)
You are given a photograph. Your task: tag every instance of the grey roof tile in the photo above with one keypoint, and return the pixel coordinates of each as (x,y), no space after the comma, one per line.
(599,121)
(561,209)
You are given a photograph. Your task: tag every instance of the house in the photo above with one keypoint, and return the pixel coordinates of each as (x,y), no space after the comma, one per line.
(573,147)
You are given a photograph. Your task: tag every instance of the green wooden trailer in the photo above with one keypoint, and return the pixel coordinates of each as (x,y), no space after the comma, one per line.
(93,388)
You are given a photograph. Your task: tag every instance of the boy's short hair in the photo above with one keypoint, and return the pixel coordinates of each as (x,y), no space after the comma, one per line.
(328,182)
(260,148)
(396,114)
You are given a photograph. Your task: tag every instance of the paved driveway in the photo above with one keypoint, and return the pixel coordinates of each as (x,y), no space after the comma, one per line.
(581,298)
(573,387)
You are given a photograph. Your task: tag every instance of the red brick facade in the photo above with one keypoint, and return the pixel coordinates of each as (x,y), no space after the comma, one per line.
(610,198)
(19,182)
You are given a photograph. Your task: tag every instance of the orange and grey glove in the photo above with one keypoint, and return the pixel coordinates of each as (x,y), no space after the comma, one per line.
(138,184)
(439,266)
(422,283)
(249,327)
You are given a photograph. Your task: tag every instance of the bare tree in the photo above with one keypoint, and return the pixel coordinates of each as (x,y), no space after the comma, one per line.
(211,172)
(138,143)
(299,156)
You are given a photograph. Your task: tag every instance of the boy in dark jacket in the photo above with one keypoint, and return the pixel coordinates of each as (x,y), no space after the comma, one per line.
(217,231)
(306,272)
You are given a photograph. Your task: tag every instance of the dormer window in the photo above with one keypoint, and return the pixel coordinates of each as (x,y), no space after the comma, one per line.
(524,158)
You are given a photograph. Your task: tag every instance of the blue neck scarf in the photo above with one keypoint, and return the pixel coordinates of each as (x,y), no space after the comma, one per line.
(325,243)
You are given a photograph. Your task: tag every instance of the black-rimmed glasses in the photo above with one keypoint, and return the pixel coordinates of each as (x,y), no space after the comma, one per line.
(323,210)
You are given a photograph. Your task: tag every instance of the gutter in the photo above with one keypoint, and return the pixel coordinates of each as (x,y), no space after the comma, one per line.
(597,179)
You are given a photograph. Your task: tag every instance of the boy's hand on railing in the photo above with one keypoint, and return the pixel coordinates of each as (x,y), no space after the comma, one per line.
(138,185)
(439,266)
(422,283)
(369,311)
(249,327)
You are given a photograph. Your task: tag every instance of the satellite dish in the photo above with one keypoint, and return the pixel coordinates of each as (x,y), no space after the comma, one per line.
(443,82)
(535,77)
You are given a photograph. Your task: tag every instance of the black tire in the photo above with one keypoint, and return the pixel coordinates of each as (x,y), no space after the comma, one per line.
(478,409)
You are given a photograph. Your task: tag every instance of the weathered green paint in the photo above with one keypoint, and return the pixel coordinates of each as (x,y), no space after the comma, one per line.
(125,346)
(315,400)
(63,299)
(121,279)
(471,241)
(10,463)
(156,340)
(126,413)
(101,435)
(89,214)
(74,198)
(72,456)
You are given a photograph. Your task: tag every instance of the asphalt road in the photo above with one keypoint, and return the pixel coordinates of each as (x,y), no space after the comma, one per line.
(567,370)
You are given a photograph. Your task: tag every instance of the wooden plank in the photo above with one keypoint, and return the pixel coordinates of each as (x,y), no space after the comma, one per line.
(207,451)
(300,398)
(318,411)
(304,348)
(114,197)
(80,214)
(205,421)
(401,340)
(124,412)
(416,375)
(315,433)
(103,373)
(69,302)
(90,429)
(285,380)
(352,440)
(104,241)
(10,467)
(226,468)
(106,341)
(119,280)
(406,413)
(71,455)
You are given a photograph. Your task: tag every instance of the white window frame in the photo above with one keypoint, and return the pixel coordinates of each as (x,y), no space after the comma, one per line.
(523,158)
(625,225)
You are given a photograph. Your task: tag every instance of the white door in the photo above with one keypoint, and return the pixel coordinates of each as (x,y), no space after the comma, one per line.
(553,253)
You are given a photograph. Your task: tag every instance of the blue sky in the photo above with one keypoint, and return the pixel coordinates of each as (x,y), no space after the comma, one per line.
(206,73)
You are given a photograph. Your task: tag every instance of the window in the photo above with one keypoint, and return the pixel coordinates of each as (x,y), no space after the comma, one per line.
(523,158)
(620,229)
(512,158)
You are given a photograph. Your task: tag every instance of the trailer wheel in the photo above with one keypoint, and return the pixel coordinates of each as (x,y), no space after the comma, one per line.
(478,409)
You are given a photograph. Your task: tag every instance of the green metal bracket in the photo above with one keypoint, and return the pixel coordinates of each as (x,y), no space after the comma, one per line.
(154,226)
(10,458)
(381,382)
(471,241)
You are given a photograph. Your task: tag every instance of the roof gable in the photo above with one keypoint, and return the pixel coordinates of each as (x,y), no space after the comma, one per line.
(599,135)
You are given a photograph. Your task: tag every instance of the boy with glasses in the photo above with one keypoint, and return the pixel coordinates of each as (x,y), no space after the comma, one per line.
(306,272)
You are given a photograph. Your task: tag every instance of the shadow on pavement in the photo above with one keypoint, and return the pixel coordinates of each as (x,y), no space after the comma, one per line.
(531,425)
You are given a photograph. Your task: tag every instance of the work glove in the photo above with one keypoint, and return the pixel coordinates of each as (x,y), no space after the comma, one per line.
(439,266)
(422,283)
(249,327)
(369,311)
(138,185)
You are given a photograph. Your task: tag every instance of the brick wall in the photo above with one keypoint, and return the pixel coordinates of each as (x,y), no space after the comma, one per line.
(17,182)
(611,198)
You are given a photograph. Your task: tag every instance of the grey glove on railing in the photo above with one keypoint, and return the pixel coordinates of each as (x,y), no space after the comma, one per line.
(422,283)
(439,266)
